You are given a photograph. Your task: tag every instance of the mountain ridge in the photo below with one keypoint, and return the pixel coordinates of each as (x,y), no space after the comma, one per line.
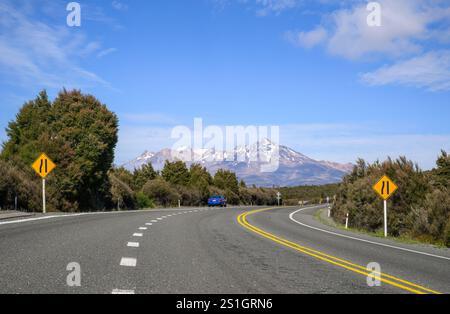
(294,167)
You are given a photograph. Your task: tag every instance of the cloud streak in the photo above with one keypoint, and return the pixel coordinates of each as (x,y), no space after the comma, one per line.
(430,71)
(34,53)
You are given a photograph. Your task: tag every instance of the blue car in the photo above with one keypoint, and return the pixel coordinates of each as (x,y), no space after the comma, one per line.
(217,200)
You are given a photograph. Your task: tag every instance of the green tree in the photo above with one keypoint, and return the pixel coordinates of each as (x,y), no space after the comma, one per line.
(143,175)
(176,173)
(29,133)
(226,180)
(80,134)
(442,172)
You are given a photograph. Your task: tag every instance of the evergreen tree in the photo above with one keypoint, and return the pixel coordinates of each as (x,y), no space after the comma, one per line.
(226,180)
(80,135)
(143,175)
(176,173)
(442,173)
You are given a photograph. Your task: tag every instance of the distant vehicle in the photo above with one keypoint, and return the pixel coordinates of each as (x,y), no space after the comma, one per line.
(217,200)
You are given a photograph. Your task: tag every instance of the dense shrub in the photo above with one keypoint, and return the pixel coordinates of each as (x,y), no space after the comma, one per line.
(143,201)
(15,181)
(122,194)
(161,192)
(420,208)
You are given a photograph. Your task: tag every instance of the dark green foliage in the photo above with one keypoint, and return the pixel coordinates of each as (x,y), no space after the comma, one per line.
(143,201)
(161,192)
(442,172)
(226,180)
(144,174)
(308,193)
(447,234)
(420,208)
(80,135)
(20,182)
(176,173)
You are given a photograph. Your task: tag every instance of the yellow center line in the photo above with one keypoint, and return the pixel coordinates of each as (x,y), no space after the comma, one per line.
(394,281)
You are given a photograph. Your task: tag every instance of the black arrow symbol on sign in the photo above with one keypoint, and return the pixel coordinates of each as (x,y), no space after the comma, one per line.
(385,185)
(44,162)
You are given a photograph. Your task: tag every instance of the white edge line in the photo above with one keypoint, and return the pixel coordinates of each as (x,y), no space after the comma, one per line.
(291,217)
(120,291)
(81,214)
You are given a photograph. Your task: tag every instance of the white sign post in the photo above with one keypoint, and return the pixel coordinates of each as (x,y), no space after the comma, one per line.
(43,166)
(385,188)
(44,209)
(385,219)
(278,198)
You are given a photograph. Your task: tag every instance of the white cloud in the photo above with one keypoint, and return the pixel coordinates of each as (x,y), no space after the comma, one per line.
(119,6)
(308,39)
(275,6)
(430,71)
(409,29)
(106,52)
(34,53)
(405,25)
(262,7)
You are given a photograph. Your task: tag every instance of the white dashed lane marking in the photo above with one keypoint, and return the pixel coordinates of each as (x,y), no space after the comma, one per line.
(128,262)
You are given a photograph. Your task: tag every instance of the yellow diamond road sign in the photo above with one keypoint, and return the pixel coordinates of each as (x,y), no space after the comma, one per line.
(385,187)
(43,166)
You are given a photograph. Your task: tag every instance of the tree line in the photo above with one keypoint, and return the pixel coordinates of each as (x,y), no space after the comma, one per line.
(419,209)
(177,184)
(80,134)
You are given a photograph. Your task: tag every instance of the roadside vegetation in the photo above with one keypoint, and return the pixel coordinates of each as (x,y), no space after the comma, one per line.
(314,194)
(420,209)
(80,134)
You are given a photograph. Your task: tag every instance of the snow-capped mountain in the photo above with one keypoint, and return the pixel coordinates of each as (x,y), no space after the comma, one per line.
(291,168)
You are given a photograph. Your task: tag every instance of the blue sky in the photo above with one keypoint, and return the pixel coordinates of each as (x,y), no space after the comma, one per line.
(337,88)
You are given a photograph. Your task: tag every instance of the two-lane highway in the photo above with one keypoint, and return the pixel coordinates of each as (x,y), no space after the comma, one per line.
(204,250)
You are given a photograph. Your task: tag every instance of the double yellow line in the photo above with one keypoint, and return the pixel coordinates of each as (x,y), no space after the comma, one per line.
(383,277)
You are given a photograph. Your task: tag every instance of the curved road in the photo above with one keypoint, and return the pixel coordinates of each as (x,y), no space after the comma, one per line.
(202,250)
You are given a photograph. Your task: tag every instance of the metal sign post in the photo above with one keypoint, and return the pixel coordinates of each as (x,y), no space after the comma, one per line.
(385,187)
(44,210)
(278,198)
(43,166)
(385,219)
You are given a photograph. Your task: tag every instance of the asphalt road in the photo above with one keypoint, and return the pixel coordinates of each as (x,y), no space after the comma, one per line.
(209,251)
